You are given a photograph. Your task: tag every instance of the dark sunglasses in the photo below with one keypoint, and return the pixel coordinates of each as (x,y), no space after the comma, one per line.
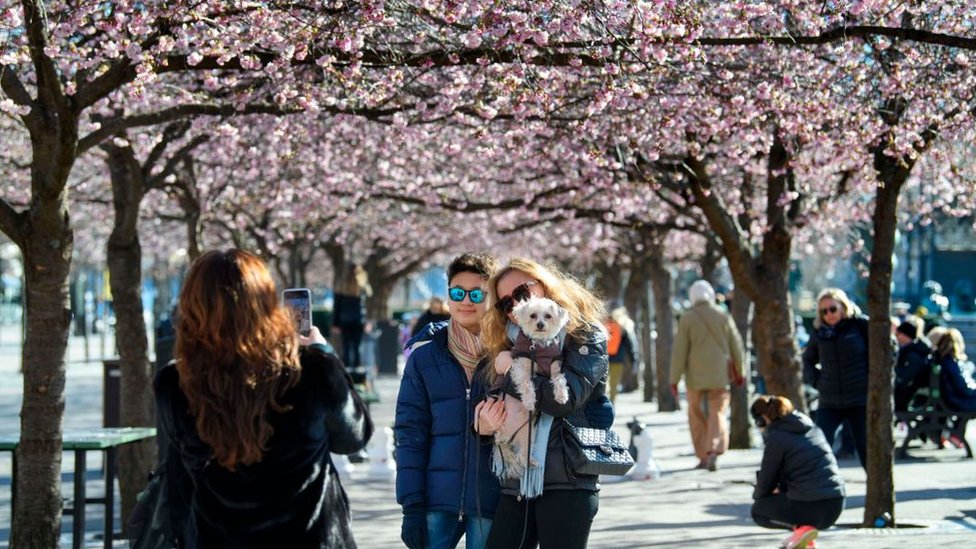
(519,294)
(831,309)
(457,293)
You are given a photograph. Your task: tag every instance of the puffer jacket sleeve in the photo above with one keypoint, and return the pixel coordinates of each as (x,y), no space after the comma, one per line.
(811,358)
(346,419)
(771,470)
(585,364)
(412,430)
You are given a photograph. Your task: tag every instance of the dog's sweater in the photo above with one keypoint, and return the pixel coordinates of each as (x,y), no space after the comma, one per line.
(543,353)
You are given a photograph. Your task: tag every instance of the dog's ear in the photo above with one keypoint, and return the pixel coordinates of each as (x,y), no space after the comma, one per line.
(562,315)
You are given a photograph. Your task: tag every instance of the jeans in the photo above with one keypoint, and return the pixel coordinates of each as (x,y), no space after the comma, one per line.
(444,531)
(829,419)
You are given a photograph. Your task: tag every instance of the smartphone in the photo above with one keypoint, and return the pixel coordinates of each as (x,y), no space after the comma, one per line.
(299,302)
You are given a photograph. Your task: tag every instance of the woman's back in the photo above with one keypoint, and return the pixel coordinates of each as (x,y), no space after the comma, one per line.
(292,497)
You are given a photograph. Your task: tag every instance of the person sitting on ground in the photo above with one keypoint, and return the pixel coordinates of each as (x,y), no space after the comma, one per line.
(912,368)
(798,485)
(436,312)
(957,375)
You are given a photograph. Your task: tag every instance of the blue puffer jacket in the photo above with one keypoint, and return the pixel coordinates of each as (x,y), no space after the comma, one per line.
(441,462)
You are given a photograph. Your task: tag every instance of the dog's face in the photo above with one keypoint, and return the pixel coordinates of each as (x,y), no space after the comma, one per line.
(540,318)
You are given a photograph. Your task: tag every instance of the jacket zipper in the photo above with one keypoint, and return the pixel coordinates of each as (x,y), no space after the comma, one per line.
(467,437)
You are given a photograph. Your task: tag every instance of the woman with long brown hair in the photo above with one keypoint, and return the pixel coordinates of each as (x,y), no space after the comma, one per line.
(252,411)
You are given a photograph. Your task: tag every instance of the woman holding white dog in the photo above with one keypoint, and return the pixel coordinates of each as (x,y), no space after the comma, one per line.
(444,481)
(562,514)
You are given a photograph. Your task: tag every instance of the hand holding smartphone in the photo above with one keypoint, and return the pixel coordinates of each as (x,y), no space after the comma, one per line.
(299,301)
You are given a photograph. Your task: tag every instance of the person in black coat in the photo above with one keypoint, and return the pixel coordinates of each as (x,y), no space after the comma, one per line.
(835,362)
(436,312)
(913,365)
(251,419)
(798,485)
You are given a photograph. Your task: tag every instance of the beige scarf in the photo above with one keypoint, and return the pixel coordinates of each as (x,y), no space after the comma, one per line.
(465,346)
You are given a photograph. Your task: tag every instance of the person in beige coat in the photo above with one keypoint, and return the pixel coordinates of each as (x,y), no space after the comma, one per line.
(708,354)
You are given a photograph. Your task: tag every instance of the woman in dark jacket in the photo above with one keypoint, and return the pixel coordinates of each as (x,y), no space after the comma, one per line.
(252,420)
(561,516)
(835,362)
(444,479)
(798,486)
(956,373)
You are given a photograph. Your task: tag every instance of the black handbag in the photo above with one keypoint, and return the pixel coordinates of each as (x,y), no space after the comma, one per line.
(596,451)
(150,525)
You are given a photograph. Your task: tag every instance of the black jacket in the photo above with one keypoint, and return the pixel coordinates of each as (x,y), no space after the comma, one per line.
(798,461)
(292,497)
(585,367)
(912,372)
(841,351)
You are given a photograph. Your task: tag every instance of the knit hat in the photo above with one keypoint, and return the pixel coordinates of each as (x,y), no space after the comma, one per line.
(908,329)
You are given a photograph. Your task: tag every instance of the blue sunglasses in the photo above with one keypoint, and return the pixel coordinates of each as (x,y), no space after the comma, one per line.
(457,294)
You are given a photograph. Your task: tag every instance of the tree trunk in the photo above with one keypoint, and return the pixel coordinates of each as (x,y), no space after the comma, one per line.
(740,435)
(880,495)
(46,242)
(125,277)
(661,282)
(608,280)
(646,324)
(377,304)
(635,293)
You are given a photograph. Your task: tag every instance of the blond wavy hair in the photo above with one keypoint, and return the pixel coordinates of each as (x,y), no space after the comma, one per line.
(949,343)
(585,309)
(848,308)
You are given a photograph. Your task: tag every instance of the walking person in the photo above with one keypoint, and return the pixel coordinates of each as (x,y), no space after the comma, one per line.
(621,349)
(251,418)
(835,362)
(561,515)
(444,479)
(708,354)
(798,485)
(348,314)
(436,312)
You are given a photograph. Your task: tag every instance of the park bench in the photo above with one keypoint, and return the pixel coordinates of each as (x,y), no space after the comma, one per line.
(930,419)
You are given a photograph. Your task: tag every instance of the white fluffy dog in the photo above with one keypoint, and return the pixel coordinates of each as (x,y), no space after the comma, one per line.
(540,321)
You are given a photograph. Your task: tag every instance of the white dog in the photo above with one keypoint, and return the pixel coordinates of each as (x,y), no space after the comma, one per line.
(541,322)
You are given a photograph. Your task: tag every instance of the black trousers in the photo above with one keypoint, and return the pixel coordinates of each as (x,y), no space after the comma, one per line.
(352,336)
(829,419)
(558,519)
(779,511)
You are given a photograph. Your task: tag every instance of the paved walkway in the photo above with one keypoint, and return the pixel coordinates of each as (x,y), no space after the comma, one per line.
(684,508)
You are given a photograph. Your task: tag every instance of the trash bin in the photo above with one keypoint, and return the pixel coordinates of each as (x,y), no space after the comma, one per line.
(111,393)
(387,346)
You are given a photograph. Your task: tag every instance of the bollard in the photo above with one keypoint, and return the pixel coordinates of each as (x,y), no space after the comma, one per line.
(381,464)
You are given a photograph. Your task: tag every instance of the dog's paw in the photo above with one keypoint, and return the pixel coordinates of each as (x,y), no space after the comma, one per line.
(560,389)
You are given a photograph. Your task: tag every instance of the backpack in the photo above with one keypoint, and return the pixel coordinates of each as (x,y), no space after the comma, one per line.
(615,336)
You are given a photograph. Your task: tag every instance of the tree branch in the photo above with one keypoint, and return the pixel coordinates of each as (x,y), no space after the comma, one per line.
(116,125)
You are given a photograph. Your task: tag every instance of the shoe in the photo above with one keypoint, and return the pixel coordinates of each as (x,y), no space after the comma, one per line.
(712,462)
(801,538)
(703,464)
(956,441)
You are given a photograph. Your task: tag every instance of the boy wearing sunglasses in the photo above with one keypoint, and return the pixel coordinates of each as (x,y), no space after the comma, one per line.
(444,478)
